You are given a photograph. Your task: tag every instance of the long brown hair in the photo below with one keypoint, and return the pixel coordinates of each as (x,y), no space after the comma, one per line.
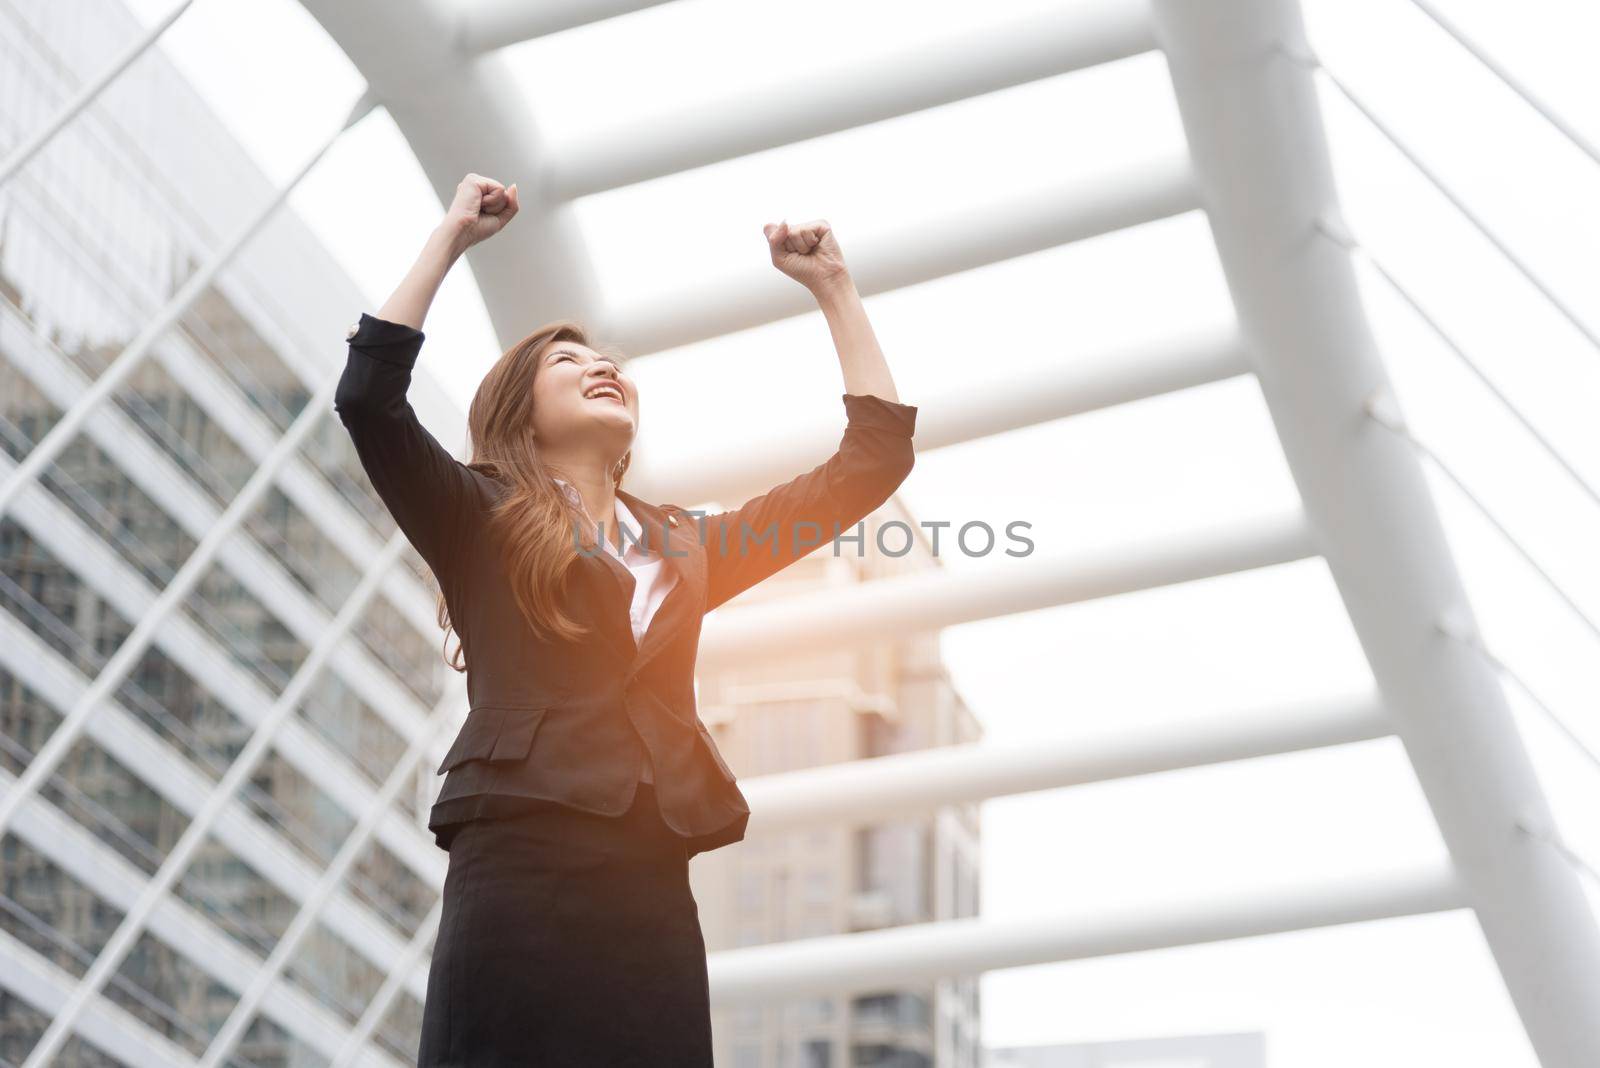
(533,521)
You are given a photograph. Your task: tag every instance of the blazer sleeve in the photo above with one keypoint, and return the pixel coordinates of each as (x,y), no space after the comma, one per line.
(747,544)
(427,490)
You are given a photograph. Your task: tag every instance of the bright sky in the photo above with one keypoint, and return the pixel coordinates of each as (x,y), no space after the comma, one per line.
(1396,993)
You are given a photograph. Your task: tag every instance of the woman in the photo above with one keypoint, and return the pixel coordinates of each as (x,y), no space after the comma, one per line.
(583,780)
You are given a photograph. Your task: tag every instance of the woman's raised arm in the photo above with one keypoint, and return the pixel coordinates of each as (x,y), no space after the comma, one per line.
(770,532)
(427,490)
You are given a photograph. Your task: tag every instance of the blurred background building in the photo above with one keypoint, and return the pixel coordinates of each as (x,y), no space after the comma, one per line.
(784,713)
(1198,1051)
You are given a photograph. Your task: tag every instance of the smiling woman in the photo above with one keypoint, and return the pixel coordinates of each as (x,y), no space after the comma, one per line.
(583,780)
(552,408)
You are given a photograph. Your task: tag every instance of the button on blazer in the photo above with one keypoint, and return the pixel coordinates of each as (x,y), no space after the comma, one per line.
(568,721)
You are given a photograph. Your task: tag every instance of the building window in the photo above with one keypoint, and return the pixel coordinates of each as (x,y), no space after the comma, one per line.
(899,1009)
(883,1055)
(816,1053)
(819,886)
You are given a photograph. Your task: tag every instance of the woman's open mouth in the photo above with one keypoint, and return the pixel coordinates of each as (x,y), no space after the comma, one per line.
(605,391)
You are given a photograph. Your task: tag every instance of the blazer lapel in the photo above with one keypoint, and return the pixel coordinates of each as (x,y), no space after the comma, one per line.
(685,557)
(620,586)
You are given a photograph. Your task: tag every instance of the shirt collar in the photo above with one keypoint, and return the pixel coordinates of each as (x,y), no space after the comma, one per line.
(625,520)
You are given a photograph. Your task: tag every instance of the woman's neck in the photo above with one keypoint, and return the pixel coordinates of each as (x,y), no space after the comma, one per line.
(597,496)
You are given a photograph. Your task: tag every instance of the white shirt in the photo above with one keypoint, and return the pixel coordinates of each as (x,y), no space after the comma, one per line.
(652,578)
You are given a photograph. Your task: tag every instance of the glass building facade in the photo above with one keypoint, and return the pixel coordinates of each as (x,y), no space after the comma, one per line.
(98,235)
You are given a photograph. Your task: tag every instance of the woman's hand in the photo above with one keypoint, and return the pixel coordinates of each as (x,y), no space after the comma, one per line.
(807,253)
(482,207)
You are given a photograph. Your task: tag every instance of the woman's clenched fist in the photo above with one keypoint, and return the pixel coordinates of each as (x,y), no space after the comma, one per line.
(807,253)
(482,207)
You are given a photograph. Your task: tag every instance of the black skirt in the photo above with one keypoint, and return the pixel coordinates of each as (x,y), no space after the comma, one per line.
(568,938)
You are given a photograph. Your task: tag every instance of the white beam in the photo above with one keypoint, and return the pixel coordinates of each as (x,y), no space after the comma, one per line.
(926,601)
(910,251)
(922,953)
(825,98)
(485,25)
(411,54)
(916,783)
(1249,107)
(691,472)
(461,113)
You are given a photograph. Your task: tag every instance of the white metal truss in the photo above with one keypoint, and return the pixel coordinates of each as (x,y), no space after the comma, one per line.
(1044,44)
(1125,196)
(1119,375)
(904,785)
(923,952)
(407,53)
(1258,166)
(1249,107)
(930,600)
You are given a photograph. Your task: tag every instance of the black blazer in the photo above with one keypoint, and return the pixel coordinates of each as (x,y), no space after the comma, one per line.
(567,721)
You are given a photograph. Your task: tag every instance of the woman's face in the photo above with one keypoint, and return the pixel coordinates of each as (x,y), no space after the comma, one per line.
(581,396)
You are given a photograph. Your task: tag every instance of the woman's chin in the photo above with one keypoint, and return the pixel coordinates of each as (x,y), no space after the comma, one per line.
(612,417)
